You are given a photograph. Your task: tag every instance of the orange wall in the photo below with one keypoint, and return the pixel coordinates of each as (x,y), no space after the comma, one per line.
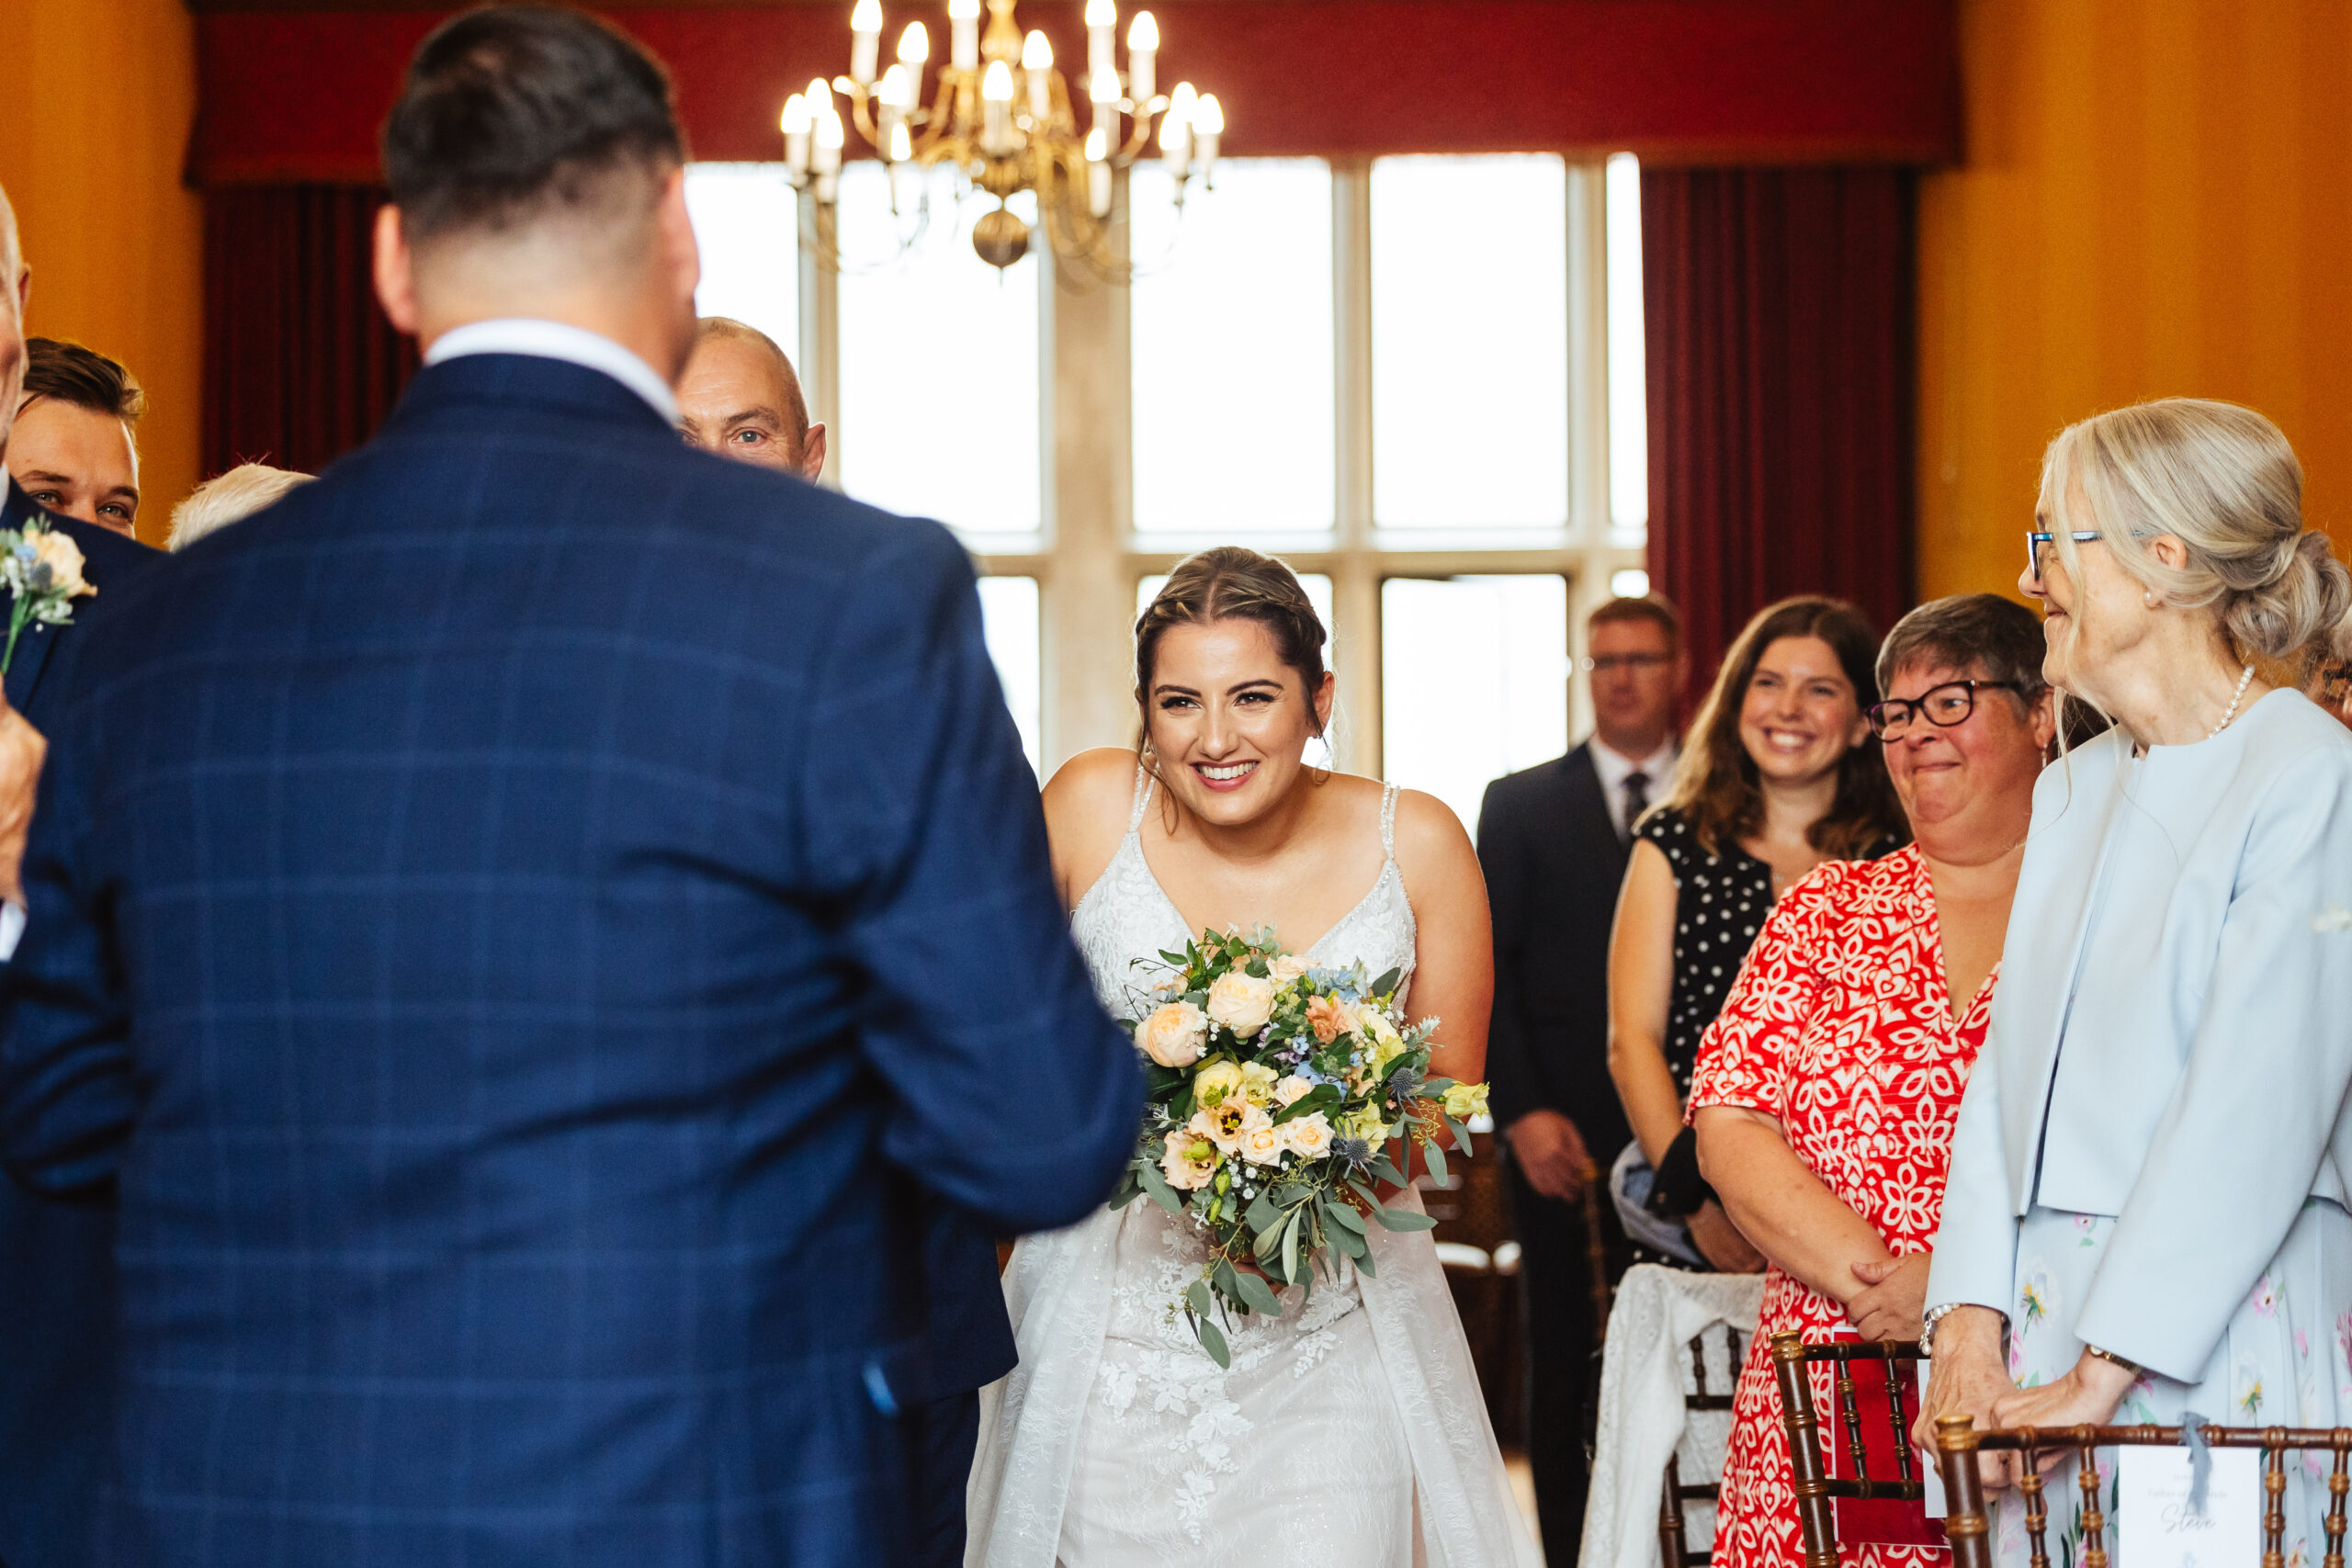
(2156,200)
(102,94)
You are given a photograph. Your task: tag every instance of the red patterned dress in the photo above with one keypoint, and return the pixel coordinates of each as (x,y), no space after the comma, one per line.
(1840,1025)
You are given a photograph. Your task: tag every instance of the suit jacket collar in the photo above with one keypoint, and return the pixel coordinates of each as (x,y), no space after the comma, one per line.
(1588,803)
(461,392)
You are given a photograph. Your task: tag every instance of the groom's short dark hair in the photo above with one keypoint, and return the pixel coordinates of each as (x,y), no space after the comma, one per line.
(510,113)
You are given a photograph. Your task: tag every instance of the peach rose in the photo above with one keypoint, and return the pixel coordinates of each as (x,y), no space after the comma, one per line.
(1287,968)
(1174,1034)
(1309,1136)
(1292,1089)
(1264,1144)
(64,558)
(1241,1002)
(1189,1160)
(1329,1018)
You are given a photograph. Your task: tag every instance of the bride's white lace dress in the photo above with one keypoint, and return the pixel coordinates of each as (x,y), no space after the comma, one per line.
(1351,1434)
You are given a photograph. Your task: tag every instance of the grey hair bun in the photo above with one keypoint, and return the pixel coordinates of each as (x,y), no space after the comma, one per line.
(2299,594)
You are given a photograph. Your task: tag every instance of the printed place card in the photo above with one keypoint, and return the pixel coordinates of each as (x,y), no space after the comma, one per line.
(2154,1525)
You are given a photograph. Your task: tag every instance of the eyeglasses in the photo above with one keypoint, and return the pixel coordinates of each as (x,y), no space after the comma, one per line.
(1942,706)
(1605,663)
(2036,562)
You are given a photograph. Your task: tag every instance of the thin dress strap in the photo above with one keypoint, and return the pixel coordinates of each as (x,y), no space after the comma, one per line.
(1388,821)
(1143,797)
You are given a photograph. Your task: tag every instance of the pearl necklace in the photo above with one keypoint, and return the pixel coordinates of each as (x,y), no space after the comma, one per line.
(2236,697)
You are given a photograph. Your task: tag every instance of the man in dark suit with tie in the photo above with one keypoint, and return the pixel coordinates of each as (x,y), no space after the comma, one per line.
(1553,840)
(56,1258)
(524,926)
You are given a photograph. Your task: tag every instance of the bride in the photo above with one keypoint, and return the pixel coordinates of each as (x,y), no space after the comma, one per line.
(1352,1432)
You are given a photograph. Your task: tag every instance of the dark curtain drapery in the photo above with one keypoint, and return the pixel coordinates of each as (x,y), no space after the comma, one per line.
(299,364)
(1782,362)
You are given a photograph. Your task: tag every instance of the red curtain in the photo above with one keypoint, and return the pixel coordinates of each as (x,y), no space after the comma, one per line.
(1780,359)
(299,364)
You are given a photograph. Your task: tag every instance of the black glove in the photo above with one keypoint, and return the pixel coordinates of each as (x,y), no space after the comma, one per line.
(1680,1192)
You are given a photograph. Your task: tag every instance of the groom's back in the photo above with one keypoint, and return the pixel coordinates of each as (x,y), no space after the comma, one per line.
(502,921)
(500,1063)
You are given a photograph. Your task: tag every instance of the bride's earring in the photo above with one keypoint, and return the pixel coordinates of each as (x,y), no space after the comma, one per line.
(2148,597)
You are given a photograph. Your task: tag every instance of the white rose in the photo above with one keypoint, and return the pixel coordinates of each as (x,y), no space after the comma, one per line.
(1309,1136)
(64,558)
(1173,1035)
(1241,1002)
(1264,1144)
(1292,1089)
(1287,968)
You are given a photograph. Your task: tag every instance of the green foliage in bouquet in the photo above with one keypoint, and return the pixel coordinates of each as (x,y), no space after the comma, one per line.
(1282,1092)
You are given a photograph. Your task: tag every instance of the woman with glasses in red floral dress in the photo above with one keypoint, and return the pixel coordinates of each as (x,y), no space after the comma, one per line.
(1828,1089)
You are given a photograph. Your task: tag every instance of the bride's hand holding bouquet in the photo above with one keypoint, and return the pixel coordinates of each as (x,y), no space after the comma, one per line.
(1285,1098)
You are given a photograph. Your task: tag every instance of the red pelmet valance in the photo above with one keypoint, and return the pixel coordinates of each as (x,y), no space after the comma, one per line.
(296,94)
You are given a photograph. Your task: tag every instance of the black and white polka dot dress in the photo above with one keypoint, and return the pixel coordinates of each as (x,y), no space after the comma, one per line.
(1720,903)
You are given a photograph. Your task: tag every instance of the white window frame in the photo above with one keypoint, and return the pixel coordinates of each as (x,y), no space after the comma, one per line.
(1088,558)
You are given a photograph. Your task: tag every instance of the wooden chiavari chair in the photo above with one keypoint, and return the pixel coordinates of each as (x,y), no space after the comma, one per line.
(1673,1529)
(1958,1443)
(1813,1485)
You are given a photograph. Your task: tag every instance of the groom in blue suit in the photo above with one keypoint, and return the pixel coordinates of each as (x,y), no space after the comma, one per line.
(526,928)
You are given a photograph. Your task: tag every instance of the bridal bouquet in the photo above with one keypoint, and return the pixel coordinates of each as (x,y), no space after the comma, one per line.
(1279,1091)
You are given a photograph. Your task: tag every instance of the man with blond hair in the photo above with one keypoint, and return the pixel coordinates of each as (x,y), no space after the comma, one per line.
(230,497)
(56,1273)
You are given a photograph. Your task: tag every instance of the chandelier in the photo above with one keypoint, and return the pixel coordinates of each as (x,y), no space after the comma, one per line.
(1002,116)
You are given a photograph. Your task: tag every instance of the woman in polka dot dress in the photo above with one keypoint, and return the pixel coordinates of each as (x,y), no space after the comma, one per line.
(1779,775)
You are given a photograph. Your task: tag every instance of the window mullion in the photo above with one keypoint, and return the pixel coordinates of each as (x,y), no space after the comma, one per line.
(1354,566)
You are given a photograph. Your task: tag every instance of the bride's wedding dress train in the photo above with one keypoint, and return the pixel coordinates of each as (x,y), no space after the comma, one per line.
(1349,1433)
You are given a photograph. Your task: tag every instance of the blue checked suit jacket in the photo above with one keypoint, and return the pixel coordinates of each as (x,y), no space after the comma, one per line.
(56,1258)
(519,925)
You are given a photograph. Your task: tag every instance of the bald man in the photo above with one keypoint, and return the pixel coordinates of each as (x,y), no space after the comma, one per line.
(740,398)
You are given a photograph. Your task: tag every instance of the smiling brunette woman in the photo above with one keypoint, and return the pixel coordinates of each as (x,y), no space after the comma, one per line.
(1117,1443)
(1779,775)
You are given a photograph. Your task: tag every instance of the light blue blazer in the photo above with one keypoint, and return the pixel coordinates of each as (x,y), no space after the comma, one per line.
(2171,1039)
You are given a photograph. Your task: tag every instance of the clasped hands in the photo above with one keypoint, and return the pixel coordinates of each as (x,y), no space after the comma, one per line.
(1968,1377)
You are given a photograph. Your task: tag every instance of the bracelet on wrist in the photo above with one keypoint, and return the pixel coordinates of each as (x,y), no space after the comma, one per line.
(2135,1368)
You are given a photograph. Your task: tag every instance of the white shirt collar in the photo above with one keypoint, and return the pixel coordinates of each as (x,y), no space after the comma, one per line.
(559,339)
(1613,766)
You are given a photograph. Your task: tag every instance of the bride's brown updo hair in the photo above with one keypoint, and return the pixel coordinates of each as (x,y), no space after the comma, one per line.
(1231,583)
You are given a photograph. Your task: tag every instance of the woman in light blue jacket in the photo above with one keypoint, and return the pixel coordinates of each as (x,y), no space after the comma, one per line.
(2147,1202)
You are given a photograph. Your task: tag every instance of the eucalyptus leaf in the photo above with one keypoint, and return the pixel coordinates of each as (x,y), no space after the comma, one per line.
(1344,1217)
(1403,1220)
(1386,1169)
(1433,1155)
(1263,1215)
(1161,1193)
(1214,1343)
(1197,1297)
(1258,1296)
(1347,1241)
(1269,1242)
(1290,1250)
(1387,983)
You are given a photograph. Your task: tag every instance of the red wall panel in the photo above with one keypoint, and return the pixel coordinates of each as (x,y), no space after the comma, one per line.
(297,96)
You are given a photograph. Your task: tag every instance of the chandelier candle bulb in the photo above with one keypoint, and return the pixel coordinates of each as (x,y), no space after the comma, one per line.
(830,141)
(796,125)
(996,93)
(1037,66)
(914,51)
(1176,131)
(1101,21)
(1097,170)
(1143,51)
(1208,124)
(964,24)
(866,40)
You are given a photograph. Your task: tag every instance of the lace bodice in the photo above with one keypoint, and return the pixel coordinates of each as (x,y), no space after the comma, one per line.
(1126,916)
